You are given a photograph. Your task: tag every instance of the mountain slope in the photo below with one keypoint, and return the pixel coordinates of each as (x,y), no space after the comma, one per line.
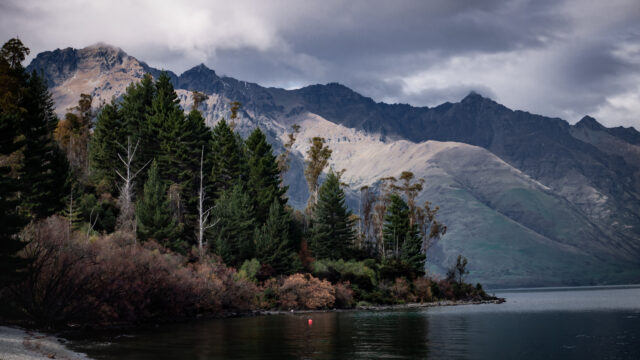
(528,199)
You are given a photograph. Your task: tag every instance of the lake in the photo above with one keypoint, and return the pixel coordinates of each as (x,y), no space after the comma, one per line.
(559,323)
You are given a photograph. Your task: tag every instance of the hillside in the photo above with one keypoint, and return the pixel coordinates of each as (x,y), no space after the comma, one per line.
(530,200)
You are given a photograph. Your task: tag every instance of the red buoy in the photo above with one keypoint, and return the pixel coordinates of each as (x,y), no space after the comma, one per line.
(310,322)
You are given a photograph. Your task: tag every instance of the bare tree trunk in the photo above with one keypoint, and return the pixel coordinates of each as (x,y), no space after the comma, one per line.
(126,219)
(203,215)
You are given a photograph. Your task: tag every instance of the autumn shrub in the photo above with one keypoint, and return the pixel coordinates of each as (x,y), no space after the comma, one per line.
(422,289)
(446,290)
(344,295)
(112,279)
(303,291)
(400,290)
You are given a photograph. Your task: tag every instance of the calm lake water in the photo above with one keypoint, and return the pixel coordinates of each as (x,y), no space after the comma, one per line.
(570,323)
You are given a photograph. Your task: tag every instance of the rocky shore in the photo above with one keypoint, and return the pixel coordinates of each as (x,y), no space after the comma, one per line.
(21,344)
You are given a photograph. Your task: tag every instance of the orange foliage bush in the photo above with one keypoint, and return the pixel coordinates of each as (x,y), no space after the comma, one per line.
(300,291)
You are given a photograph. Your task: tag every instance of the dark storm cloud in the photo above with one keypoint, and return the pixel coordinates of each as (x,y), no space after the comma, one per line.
(559,58)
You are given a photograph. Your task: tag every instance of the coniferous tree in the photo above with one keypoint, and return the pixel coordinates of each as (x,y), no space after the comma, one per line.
(107,137)
(154,217)
(333,230)
(272,240)
(228,162)
(195,138)
(136,103)
(10,220)
(402,239)
(45,166)
(264,176)
(235,226)
(165,120)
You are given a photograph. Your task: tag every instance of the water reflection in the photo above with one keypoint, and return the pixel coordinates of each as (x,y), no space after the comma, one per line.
(529,326)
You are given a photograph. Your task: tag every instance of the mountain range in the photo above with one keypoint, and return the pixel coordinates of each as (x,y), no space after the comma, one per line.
(529,200)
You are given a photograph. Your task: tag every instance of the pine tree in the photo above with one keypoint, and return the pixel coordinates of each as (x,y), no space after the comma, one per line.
(227,159)
(154,217)
(402,239)
(195,139)
(264,176)
(272,241)
(10,220)
(136,103)
(107,137)
(45,166)
(235,226)
(333,230)
(165,120)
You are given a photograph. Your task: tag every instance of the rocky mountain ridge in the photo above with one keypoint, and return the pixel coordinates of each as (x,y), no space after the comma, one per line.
(529,200)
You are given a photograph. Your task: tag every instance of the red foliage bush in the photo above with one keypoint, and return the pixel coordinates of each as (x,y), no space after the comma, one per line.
(300,291)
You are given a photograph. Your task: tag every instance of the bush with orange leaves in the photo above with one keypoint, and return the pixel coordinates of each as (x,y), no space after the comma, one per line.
(111,279)
(303,291)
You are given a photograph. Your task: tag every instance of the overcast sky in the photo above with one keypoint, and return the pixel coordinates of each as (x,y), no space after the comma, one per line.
(563,58)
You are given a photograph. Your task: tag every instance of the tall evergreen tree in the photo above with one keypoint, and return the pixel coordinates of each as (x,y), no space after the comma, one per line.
(333,230)
(235,226)
(227,159)
(195,139)
(165,120)
(402,239)
(107,137)
(10,220)
(264,176)
(273,244)
(136,103)
(154,217)
(45,167)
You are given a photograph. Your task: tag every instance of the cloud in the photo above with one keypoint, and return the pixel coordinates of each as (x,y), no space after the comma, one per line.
(562,58)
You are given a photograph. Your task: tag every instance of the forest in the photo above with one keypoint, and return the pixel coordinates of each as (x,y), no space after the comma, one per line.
(137,211)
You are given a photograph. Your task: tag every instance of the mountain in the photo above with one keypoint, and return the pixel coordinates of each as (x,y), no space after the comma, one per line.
(530,200)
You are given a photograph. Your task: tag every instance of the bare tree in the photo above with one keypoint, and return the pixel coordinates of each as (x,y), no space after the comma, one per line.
(317,160)
(126,219)
(203,215)
(92,223)
(283,159)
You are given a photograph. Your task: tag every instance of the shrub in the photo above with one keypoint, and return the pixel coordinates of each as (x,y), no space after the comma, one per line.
(400,290)
(355,272)
(306,292)
(422,289)
(249,269)
(344,295)
(109,279)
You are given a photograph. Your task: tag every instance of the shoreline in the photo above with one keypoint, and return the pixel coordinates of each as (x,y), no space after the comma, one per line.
(407,306)
(21,344)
